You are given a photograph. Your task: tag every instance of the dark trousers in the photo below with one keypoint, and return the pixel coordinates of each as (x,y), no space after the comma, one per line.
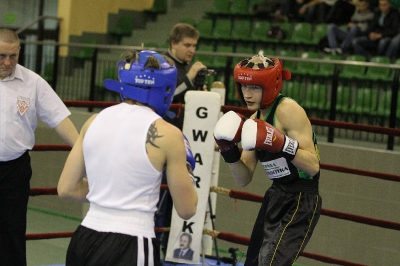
(14,194)
(91,248)
(284,226)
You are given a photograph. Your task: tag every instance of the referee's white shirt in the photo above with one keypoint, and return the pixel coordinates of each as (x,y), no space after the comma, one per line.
(24,96)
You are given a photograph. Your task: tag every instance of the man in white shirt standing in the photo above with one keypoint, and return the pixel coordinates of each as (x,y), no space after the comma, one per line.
(24,96)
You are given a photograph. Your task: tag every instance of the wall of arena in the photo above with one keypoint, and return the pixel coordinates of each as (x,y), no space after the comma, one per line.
(347,193)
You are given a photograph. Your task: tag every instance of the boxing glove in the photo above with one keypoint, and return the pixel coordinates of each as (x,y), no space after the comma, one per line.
(258,134)
(227,133)
(189,154)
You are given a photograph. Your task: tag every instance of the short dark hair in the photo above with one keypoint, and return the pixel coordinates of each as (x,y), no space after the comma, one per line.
(183,30)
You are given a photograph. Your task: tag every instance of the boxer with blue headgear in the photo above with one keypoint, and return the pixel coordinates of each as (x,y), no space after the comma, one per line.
(117,164)
(150,86)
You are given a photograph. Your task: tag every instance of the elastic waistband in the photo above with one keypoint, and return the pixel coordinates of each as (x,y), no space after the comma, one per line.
(299,185)
(130,222)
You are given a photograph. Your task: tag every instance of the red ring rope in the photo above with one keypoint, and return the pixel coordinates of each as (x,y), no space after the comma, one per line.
(248,113)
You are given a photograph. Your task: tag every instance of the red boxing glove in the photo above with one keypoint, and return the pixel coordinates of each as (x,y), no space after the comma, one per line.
(258,134)
(227,133)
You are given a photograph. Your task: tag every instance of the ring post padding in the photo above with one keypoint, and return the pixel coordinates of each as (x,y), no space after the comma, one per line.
(208,241)
(202,110)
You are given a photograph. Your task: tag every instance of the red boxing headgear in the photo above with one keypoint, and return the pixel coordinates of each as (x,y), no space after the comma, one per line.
(262,71)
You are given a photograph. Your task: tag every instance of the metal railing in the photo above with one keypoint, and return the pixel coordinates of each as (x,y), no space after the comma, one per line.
(81,78)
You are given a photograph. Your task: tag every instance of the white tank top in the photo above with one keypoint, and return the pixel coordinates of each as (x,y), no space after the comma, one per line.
(119,172)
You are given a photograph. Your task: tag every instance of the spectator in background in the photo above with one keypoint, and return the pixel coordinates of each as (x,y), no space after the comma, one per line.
(316,10)
(357,25)
(289,10)
(182,47)
(25,97)
(341,12)
(383,27)
(392,49)
(394,44)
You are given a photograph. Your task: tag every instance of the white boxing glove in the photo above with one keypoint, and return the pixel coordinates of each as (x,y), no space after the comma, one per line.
(227,133)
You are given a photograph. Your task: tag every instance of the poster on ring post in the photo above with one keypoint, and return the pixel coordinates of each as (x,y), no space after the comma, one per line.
(202,110)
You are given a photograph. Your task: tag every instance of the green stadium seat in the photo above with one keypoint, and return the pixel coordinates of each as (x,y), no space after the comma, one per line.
(384,103)
(241,30)
(364,104)
(240,7)
(86,53)
(207,60)
(159,7)
(220,7)
(353,72)
(259,31)
(48,72)
(124,28)
(307,68)
(320,31)
(252,3)
(287,29)
(315,99)
(231,93)
(343,101)
(222,30)
(378,73)
(205,28)
(289,65)
(301,34)
(244,50)
(109,73)
(327,70)
(190,21)
(221,62)
(292,89)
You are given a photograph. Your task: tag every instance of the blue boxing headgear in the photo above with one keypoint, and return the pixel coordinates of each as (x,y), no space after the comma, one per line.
(150,86)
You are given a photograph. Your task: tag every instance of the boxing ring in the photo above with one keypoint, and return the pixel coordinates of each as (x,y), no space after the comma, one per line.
(331,221)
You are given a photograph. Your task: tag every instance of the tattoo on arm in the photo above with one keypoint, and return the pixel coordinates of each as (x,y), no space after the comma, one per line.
(152,135)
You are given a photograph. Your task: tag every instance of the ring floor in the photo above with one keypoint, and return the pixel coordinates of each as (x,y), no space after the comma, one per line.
(51,252)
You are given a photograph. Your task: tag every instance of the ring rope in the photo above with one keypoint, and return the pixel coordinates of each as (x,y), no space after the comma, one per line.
(348,170)
(355,127)
(331,213)
(248,113)
(51,147)
(257,198)
(38,236)
(330,167)
(245,241)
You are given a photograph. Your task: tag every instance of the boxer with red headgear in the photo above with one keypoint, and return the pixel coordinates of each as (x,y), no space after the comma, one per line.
(280,136)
